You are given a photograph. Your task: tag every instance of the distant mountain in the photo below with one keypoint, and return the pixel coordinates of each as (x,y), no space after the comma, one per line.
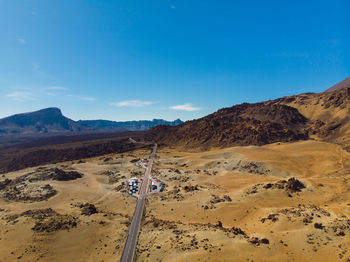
(128,125)
(49,120)
(341,85)
(52,121)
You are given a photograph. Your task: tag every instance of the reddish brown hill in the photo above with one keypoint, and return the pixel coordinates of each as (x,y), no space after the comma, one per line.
(323,116)
(245,124)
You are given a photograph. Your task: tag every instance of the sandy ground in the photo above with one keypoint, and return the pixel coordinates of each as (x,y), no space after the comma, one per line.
(184,226)
(98,237)
(220,205)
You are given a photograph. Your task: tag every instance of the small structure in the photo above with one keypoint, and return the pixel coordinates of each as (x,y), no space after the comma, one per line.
(133,184)
(143,163)
(156,185)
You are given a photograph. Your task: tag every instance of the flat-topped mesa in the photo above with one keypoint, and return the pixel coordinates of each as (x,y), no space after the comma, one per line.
(48,120)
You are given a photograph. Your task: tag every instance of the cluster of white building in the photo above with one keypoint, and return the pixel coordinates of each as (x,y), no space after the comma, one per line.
(154,186)
(133,184)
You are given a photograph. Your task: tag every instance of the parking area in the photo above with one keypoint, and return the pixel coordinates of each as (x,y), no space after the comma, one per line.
(156,185)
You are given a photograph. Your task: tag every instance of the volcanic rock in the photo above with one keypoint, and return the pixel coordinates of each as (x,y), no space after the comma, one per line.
(294,185)
(88,209)
(245,124)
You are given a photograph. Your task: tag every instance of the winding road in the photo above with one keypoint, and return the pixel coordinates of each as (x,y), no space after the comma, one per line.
(131,242)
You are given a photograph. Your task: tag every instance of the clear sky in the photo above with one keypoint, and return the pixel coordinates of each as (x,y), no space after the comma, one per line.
(145,59)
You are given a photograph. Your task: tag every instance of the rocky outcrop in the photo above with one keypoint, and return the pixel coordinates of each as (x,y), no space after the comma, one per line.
(25,188)
(292,185)
(43,173)
(46,220)
(88,209)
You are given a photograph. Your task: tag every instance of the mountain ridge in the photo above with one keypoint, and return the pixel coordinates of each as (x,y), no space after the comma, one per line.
(138,125)
(52,121)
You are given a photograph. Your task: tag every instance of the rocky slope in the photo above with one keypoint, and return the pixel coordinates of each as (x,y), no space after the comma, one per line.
(323,116)
(245,124)
(328,114)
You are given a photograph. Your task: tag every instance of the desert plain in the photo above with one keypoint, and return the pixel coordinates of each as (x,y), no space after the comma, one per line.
(278,202)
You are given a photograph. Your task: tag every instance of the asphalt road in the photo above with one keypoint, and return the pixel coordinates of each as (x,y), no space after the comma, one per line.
(130,245)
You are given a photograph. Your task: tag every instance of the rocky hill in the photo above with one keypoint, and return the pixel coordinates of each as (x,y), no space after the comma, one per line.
(245,124)
(328,114)
(52,121)
(322,116)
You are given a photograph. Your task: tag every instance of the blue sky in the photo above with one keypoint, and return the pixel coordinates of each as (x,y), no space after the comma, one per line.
(131,60)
